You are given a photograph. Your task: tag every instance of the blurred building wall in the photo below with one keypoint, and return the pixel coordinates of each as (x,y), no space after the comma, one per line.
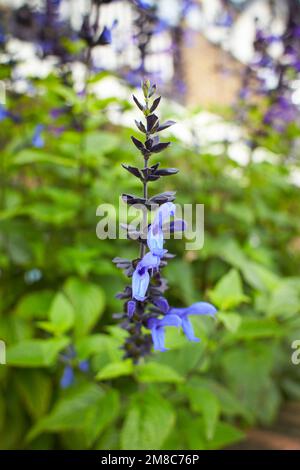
(212,76)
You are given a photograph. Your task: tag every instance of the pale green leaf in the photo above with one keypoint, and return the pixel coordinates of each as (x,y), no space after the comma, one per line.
(88,301)
(115,370)
(228,292)
(35,352)
(61,315)
(156,372)
(71,411)
(230,320)
(205,402)
(148,422)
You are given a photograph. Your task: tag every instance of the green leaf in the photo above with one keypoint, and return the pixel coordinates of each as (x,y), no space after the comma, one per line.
(241,211)
(156,372)
(88,301)
(92,344)
(231,321)
(35,390)
(259,277)
(106,348)
(284,302)
(71,411)
(225,435)
(101,142)
(184,360)
(251,328)
(148,422)
(14,329)
(247,373)
(205,402)
(228,293)
(61,315)
(102,415)
(27,156)
(291,388)
(115,370)
(180,276)
(35,352)
(35,304)
(230,405)
(193,431)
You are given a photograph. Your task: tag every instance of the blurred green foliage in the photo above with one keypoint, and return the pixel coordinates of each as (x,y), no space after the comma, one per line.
(58,285)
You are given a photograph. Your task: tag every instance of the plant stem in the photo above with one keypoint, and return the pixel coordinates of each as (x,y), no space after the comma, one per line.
(145,195)
(145,192)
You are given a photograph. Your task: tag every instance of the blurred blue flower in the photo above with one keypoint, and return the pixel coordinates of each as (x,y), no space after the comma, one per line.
(2,36)
(33,275)
(225,20)
(84,366)
(143,4)
(198,308)
(105,37)
(3,113)
(56,3)
(244,93)
(37,139)
(296,32)
(69,358)
(281,114)
(67,377)
(161,26)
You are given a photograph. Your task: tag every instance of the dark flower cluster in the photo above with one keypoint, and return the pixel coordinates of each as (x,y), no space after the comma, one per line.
(52,35)
(43,27)
(271,76)
(149,23)
(90,32)
(146,309)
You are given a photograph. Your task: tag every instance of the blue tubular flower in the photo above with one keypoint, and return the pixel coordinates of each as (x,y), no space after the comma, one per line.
(37,139)
(140,283)
(164,213)
(178,225)
(141,277)
(155,237)
(157,327)
(149,261)
(199,308)
(67,377)
(155,241)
